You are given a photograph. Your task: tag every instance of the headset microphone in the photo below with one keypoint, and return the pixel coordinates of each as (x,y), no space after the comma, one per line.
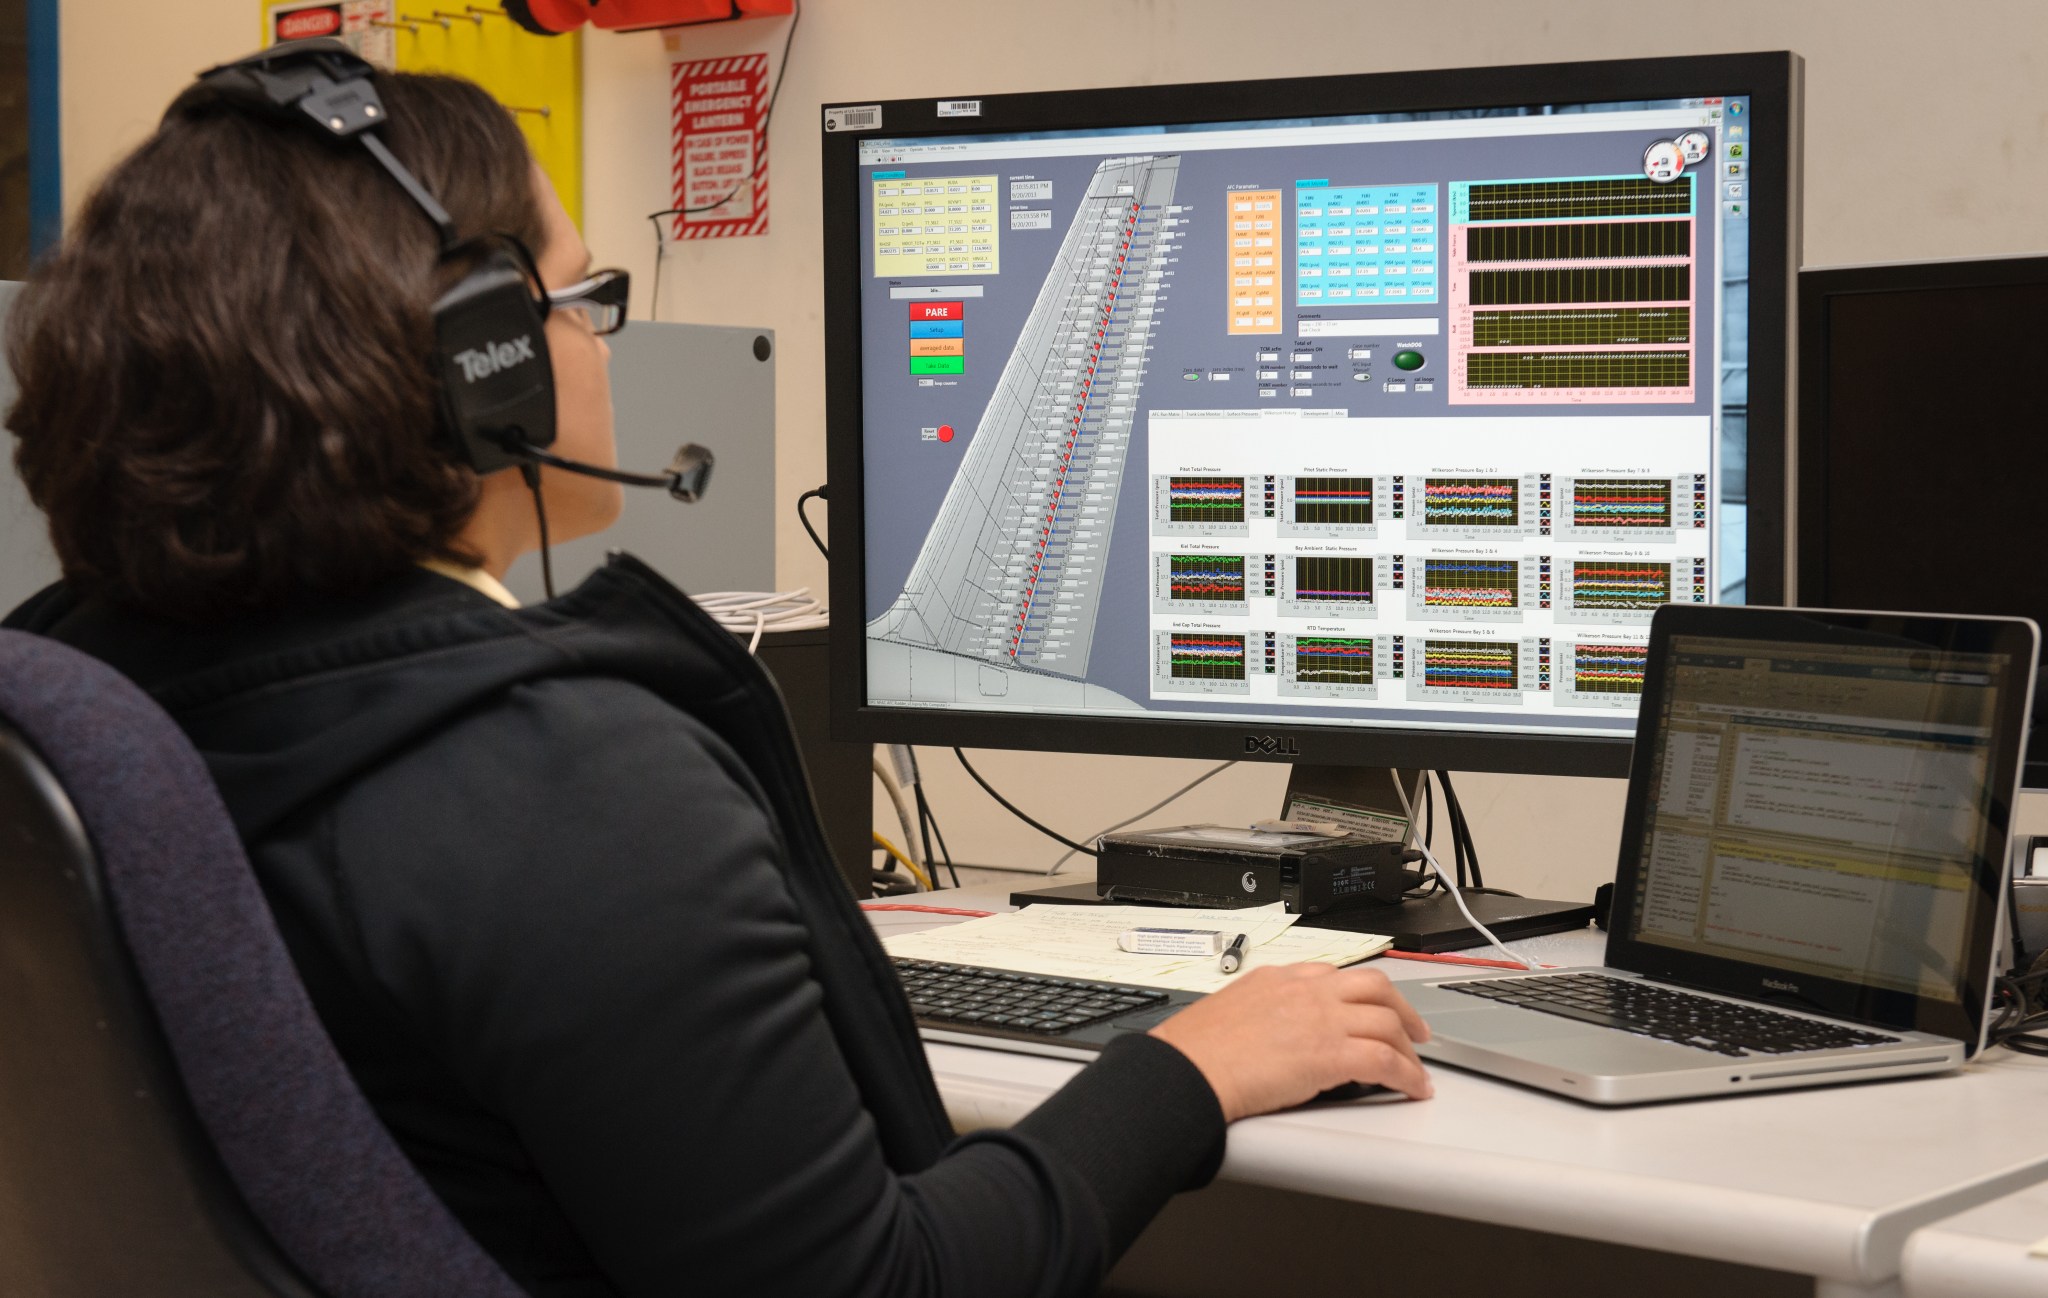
(685,478)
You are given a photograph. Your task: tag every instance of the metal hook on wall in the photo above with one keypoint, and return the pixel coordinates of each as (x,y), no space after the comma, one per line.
(473,16)
(543,112)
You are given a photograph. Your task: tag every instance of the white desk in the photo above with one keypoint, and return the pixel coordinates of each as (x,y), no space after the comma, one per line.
(1983,1252)
(1828,1182)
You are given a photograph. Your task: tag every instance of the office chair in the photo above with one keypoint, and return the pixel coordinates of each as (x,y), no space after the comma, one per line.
(173,1119)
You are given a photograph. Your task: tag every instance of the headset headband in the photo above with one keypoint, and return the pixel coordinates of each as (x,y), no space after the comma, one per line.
(330,83)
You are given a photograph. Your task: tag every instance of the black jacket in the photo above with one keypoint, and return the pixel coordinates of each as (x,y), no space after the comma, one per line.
(554,881)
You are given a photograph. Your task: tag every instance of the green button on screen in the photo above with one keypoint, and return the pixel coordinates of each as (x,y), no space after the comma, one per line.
(938,365)
(1408,360)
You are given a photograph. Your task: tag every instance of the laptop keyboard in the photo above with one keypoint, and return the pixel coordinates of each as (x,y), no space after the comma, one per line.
(969,996)
(1650,1010)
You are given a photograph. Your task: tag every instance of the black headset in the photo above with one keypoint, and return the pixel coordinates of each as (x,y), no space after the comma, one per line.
(490,344)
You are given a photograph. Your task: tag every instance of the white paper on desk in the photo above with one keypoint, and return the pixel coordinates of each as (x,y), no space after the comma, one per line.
(1080,942)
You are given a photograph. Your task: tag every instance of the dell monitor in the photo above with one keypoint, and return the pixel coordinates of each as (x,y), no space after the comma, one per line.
(1923,443)
(1352,420)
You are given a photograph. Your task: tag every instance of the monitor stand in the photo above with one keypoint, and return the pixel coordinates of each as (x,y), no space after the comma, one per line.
(1427,924)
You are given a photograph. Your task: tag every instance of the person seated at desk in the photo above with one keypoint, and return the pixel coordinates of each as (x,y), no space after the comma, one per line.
(551,874)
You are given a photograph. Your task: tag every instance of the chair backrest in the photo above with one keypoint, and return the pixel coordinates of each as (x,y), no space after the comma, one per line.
(173,1118)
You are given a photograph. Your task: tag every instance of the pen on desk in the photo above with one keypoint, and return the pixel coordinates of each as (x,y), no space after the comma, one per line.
(1233,955)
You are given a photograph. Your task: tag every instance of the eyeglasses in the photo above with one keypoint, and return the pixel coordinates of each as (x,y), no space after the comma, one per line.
(601,298)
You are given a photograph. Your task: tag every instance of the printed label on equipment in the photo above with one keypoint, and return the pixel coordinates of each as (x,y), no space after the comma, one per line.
(868,117)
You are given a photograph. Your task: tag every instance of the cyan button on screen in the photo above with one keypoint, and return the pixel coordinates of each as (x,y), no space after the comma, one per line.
(938,328)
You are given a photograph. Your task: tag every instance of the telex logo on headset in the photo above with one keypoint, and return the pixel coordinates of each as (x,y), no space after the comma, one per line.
(494,357)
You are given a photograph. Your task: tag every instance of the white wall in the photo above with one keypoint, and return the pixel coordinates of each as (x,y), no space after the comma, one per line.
(1927,137)
(121,64)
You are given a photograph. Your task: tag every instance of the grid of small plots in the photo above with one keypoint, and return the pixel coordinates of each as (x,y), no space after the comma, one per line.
(1356,243)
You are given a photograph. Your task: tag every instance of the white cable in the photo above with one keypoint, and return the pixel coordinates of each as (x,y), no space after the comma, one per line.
(903,817)
(760,611)
(1452,884)
(1111,829)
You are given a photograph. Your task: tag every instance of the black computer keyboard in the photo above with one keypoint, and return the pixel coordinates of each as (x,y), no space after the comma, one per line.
(1647,1009)
(996,998)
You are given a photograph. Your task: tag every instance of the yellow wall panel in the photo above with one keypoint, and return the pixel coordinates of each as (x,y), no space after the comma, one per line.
(522,71)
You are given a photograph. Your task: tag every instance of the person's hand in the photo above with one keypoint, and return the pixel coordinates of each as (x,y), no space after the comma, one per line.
(1283,1034)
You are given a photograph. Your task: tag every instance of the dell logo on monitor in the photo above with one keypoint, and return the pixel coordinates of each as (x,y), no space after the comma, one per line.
(1271,746)
(494,357)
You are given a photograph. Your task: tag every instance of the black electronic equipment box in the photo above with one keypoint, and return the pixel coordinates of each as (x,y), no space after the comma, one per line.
(1225,866)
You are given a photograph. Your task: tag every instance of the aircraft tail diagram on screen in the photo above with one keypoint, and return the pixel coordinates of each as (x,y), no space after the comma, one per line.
(1011,572)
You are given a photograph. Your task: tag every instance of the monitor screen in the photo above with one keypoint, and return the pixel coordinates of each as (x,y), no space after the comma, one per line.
(1821,809)
(1962,450)
(1391,421)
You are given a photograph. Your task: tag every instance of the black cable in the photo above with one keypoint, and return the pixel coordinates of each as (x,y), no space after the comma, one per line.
(945,853)
(924,831)
(928,823)
(1458,869)
(1471,848)
(1468,852)
(805,519)
(531,472)
(2022,1022)
(1471,852)
(1006,805)
(2018,1029)
(1464,832)
(1430,885)
(796,14)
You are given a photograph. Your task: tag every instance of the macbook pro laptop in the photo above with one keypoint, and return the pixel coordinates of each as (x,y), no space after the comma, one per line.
(1812,866)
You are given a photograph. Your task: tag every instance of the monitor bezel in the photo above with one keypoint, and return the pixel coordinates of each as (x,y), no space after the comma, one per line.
(1819,289)
(1963,1019)
(1771,81)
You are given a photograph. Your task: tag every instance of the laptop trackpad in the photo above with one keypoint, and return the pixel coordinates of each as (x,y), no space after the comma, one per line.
(1500,1027)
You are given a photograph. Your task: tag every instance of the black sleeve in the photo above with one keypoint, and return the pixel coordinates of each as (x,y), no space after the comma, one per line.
(576,898)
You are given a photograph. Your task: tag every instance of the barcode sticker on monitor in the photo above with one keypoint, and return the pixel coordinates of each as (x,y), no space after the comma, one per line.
(865,118)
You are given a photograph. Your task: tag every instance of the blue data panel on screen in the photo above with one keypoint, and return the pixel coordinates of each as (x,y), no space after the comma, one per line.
(1365,243)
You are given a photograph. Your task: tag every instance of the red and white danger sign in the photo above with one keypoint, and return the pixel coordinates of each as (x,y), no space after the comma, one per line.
(720,151)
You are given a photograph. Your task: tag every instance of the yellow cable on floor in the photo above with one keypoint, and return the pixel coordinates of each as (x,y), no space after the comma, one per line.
(903,861)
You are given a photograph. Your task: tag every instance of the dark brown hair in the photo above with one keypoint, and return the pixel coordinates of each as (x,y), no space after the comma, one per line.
(226,390)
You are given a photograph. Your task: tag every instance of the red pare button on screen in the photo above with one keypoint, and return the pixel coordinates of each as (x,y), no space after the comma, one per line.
(937,311)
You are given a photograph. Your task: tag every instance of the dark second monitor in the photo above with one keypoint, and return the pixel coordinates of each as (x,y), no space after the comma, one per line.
(1349,420)
(1923,443)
